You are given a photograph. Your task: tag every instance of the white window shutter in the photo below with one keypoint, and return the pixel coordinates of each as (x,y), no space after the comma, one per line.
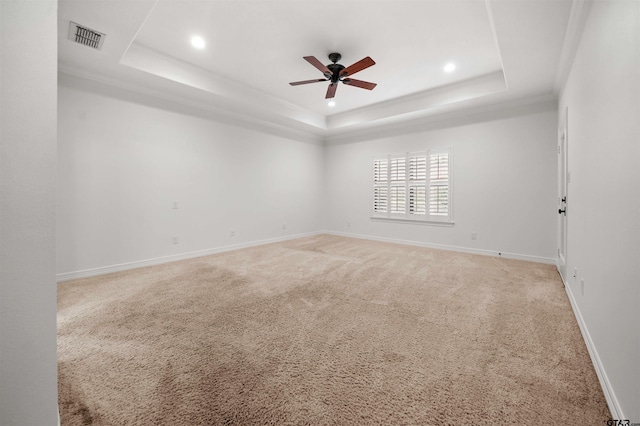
(413,186)
(380,199)
(398,185)
(439,194)
(418,167)
(398,169)
(417,196)
(397,200)
(380,170)
(380,186)
(417,200)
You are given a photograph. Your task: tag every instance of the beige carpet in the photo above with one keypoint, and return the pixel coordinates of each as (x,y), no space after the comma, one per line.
(325,330)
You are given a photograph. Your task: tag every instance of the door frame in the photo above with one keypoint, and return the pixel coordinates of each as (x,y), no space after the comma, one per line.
(563,189)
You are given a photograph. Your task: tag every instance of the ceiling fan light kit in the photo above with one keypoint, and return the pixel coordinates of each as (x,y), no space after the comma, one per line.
(336,73)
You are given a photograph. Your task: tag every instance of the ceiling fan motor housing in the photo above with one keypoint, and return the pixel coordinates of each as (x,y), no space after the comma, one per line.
(335,68)
(335,72)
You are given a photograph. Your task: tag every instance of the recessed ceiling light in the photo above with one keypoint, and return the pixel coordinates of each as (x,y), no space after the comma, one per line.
(198,42)
(331,104)
(449,67)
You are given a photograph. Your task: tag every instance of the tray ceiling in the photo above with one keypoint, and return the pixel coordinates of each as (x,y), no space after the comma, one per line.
(502,50)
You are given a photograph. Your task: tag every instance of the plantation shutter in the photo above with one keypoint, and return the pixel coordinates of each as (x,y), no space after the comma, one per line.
(397,200)
(413,186)
(439,184)
(417,185)
(380,186)
(398,185)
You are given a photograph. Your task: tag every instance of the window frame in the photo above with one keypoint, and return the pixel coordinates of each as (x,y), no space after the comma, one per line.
(413,178)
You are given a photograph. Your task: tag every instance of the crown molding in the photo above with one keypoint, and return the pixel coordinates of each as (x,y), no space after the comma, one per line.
(93,82)
(445,115)
(421,103)
(253,101)
(577,18)
(449,116)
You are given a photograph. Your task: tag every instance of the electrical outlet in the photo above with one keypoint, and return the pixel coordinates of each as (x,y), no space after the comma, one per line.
(474,235)
(284,227)
(232,233)
(174,205)
(348,224)
(175,240)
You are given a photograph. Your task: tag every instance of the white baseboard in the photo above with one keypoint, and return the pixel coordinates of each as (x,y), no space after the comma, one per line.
(607,389)
(65,276)
(517,256)
(84,273)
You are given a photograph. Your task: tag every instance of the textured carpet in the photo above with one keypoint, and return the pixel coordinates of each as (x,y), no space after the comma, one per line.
(325,330)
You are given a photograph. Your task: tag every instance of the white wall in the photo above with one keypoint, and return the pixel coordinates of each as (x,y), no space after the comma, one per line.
(123,162)
(28,55)
(504,183)
(602,94)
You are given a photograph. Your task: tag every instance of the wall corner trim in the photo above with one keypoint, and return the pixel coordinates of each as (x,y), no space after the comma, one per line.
(577,18)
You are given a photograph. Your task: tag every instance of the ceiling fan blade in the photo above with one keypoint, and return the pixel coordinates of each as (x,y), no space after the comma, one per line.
(358,66)
(316,63)
(297,83)
(359,83)
(331,91)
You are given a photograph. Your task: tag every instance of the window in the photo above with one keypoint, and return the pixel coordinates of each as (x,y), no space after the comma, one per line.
(414,186)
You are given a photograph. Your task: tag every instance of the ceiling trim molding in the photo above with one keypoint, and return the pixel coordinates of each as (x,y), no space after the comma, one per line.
(577,19)
(147,60)
(451,117)
(180,104)
(421,103)
(445,116)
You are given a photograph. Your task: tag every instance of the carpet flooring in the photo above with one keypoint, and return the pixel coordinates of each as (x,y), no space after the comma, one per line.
(325,330)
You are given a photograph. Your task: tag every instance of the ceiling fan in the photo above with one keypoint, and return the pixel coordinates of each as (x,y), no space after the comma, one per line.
(335,73)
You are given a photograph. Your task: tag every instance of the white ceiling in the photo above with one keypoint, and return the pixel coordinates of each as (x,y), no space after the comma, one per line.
(504,50)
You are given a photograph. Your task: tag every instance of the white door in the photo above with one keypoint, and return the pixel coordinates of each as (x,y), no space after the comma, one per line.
(563,180)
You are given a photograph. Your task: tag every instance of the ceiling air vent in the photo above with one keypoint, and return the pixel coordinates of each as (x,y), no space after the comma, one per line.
(86,36)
